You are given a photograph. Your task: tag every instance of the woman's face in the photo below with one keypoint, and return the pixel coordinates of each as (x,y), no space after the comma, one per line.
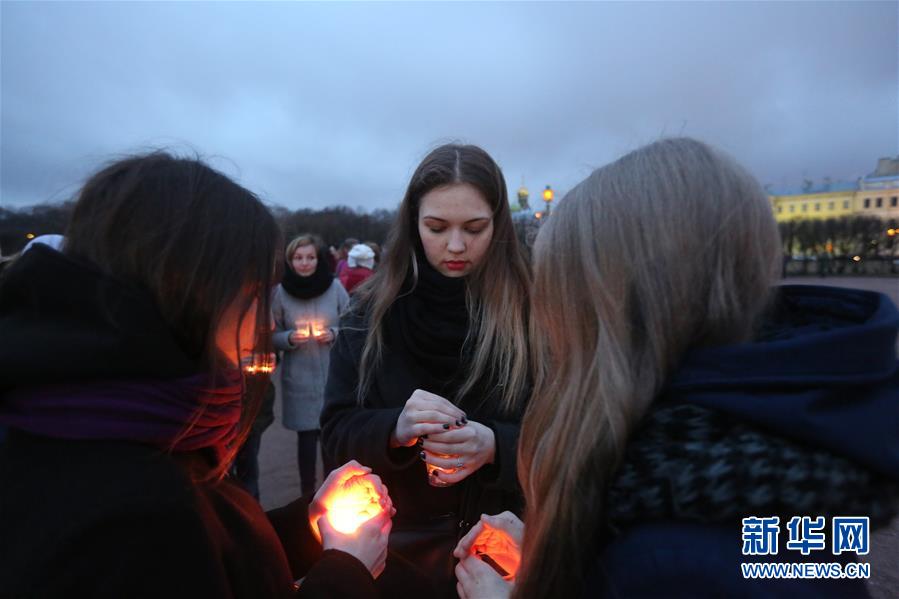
(304,260)
(455,224)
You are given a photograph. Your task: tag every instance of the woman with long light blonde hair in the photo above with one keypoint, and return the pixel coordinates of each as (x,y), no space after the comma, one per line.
(678,391)
(429,376)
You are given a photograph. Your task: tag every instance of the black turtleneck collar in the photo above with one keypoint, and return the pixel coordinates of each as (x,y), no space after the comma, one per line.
(308,287)
(431,322)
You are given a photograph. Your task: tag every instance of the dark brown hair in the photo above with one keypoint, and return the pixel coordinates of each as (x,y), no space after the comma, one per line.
(192,238)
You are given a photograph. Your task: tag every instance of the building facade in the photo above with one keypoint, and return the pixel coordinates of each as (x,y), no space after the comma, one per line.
(876,194)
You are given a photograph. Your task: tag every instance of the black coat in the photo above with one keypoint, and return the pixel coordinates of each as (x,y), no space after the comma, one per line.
(363,433)
(119,519)
(113,518)
(800,422)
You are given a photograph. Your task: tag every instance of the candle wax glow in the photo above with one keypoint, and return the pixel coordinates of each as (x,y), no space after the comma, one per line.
(501,548)
(355,503)
(304,329)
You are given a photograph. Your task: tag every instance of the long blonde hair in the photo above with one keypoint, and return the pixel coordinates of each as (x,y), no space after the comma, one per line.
(497,311)
(673,246)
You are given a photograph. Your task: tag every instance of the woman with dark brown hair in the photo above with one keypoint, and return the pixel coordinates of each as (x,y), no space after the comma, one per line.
(126,402)
(429,375)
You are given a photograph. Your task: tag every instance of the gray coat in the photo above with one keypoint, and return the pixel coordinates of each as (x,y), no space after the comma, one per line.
(304,368)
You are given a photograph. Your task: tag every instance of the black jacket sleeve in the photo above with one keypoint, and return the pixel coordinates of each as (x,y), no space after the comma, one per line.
(502,474)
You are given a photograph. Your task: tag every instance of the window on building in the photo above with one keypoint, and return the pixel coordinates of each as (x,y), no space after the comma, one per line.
(792,208)
(780,209)
(867,202)
(817,206)
(845,204)
(805,207)
(880,202)
(830,205)
(894,201)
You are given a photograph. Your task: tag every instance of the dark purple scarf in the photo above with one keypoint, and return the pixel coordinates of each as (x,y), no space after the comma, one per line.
(183,414)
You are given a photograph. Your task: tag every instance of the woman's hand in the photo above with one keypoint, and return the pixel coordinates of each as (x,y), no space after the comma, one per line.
(471,447)
(296,338)
(334,484)
(498,536)
(327,336)
(478,580)
(425,414)
(368,544)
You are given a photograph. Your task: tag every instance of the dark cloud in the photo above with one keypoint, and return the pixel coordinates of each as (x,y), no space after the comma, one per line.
(314,104)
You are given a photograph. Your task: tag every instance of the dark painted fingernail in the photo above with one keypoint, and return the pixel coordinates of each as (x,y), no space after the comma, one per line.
(434,472)
(422,455)
(464,420)
(420,442)
(446,426)
(458,423)
(423,437)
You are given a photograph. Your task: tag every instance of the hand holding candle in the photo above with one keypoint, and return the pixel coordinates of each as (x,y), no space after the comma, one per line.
(302,333)
(322,333)
(470,447)
(352,512)
(496,540)
(425,414)
(349,496)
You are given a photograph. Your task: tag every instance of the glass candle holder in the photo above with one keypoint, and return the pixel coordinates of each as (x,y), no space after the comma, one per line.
(435,480)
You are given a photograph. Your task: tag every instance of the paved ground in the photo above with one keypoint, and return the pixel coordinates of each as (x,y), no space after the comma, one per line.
(279,481)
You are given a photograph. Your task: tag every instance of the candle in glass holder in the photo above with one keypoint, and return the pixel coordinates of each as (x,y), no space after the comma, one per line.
(436,481)
(259,364)
(318,328)
(354,503)
(304,329)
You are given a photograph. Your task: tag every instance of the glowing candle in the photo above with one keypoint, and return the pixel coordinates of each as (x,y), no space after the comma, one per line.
(354,503)
(497,548)
(259,364)
(304,329)
(318,328)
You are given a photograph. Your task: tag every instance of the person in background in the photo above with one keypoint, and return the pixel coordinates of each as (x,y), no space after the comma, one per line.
(431,371)
(246,464)
(679,391)
(125,403)
(331,257)
(342,254)
(360,266)
(377,250)
(306,307)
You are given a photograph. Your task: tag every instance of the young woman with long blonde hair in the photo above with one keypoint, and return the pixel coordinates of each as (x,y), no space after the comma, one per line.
(679,391)
(429,375)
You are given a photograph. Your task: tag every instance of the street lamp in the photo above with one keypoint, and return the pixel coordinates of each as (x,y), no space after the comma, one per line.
(548,198)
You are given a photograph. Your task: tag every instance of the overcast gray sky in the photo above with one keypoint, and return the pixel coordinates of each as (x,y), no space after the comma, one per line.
(314,104)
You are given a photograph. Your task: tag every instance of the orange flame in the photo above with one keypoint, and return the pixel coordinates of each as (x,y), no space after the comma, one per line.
(354,503)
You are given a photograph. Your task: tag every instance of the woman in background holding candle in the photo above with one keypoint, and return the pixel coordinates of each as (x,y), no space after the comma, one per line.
(126,403)
(430,372)
(306,307)
(679,391)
